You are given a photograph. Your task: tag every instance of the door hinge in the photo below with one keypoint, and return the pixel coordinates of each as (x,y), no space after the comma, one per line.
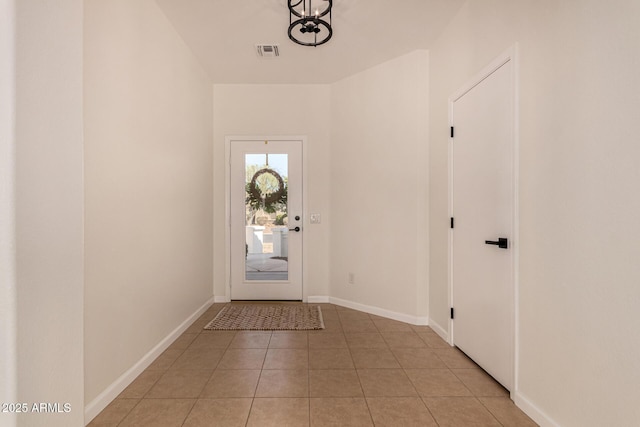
(451,222)
(452,313)
(451,131)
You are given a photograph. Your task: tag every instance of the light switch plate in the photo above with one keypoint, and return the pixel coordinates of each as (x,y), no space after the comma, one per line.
(315,218)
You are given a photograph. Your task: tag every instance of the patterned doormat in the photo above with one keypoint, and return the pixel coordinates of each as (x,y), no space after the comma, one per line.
(264,317)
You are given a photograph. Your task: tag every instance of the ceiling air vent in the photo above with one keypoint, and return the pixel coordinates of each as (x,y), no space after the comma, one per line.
(267,50)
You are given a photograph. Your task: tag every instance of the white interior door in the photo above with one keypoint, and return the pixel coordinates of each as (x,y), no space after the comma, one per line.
(482,208)
(266,219)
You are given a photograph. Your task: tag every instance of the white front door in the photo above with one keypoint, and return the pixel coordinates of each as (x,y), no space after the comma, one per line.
(483,214)
(266,219)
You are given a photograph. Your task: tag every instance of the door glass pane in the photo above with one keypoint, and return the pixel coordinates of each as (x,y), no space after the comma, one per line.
(266,230)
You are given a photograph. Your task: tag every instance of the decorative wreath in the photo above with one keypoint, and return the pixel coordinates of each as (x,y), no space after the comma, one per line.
(255,197)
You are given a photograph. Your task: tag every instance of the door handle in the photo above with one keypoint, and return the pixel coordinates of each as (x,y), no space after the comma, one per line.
(297,229)
(502,242)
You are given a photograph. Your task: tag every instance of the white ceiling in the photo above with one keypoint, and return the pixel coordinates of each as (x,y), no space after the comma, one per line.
(223,35)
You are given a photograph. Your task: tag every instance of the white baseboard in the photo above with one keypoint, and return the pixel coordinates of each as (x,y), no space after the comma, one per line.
(221,299)
(439,330)
(317,299)
(414,320)
(533,411)
(93,408)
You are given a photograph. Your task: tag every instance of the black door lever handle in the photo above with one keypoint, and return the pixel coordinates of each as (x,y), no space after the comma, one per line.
(502,242)
(297,229)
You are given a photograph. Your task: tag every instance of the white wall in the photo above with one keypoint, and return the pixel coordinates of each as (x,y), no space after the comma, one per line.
(379,186)
(579,199)
(278,110)
(8,285)
(49,209)
(148,165)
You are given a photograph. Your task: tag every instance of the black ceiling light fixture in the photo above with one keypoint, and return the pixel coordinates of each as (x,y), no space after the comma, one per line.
(306,24)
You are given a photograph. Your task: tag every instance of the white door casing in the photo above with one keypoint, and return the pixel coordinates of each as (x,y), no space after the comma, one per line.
(483,208)
(263,281)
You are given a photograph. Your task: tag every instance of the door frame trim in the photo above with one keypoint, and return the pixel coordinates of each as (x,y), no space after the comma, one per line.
(228,139)
(510,54)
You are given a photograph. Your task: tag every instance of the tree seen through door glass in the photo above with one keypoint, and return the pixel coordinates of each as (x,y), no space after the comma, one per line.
(266,217)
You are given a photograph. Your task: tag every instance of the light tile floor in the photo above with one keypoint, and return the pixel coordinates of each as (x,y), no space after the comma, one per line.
(362,370)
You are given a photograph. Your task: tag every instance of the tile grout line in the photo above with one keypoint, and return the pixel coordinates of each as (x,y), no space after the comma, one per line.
(255,389)
(309,378)
(342,332)
(491,412)
(128,412)
(209,379)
